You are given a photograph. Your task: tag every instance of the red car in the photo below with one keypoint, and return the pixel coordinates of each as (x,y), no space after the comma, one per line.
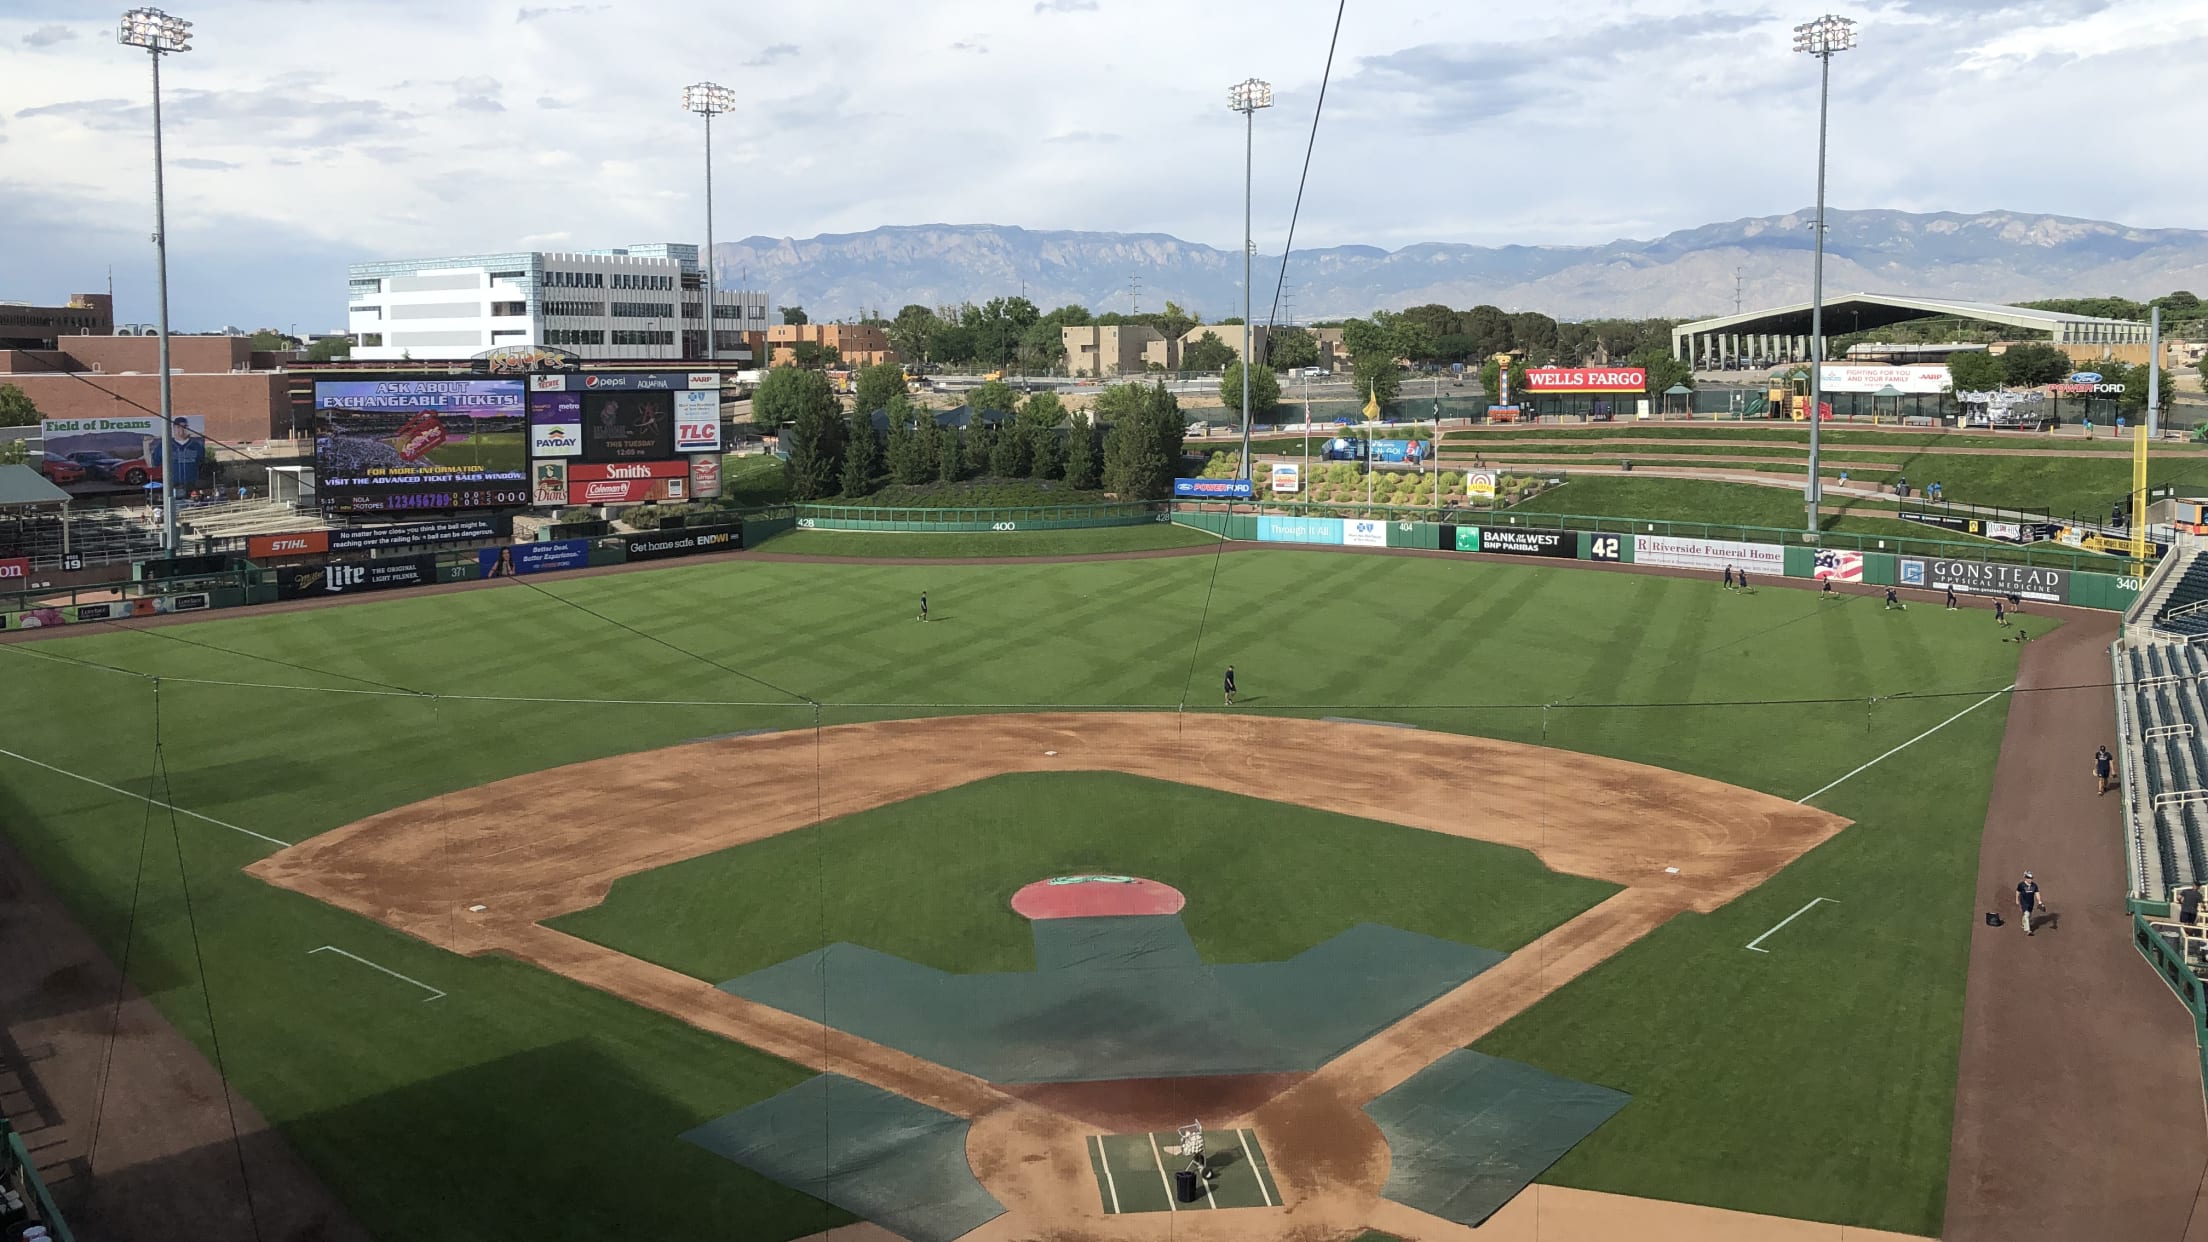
(136,472)
(61,470)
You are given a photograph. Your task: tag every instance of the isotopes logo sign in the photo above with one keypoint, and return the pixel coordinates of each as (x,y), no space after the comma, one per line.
(15,568)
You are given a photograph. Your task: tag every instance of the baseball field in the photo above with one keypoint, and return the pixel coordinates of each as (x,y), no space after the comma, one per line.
(525,910)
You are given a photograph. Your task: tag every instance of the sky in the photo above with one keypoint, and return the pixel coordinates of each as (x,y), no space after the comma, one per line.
(303,135)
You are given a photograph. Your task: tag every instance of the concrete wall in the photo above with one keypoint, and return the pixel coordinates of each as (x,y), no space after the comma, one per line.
(254,405)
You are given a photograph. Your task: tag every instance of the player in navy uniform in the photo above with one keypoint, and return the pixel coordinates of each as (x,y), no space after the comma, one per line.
(923,605)
(1728,577)
(2104,767)
(1230,685)
(1829,593)
(1951,604)
(2027,900)
(1894,601)
(2000,617)
(1743,579)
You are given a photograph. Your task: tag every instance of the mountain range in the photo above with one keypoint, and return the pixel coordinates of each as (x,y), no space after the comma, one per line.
(1995,256)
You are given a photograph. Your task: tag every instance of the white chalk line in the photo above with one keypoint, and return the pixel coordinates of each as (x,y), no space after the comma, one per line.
(143,798)
(434,994)
(1104,1162)
(1243,1137)
(1783,922)
(1804,799)
(1172,1203)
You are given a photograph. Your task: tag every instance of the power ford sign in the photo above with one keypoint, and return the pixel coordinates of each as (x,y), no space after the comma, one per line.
(1211,489)
(1512,541)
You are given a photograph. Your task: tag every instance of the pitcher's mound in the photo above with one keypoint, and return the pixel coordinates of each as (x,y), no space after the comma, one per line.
(1096,896)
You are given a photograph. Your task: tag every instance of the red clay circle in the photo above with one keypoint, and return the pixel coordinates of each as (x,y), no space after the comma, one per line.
(1096,896)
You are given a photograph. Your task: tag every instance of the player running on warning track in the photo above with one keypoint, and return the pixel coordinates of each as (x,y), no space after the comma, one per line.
(2028,900)
(1828,592)
(1230,685)
(2104,767)
(1951,604)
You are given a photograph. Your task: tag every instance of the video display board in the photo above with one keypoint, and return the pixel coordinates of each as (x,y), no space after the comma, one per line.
(622,427)
(398,445)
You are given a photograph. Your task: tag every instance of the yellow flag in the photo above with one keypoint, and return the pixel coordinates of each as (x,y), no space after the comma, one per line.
(1372,404)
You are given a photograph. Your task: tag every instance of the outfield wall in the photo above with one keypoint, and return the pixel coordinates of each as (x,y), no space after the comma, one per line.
(951,521)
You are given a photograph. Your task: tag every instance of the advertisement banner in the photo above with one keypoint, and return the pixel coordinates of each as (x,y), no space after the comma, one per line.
(14,569)
(1844,377)
(698,421)
(459,530)
(1480,484)
(705,379)
(1838,566)
(587,473)
(302,543)
(1513,541)
(550,487)
(627,491)
(533,558)
(396,445)
(1398,450)
(88,456)
(555,424)
(655,381)
(1213,489)
(1715,555)
(685,541)
(628,427)
(705,476)
(1586,379)
(1287,478)
(1299,530)
(1981,578)
(353,577)
(1364,532)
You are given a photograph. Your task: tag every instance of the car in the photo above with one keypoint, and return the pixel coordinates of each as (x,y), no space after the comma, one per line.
(136,472)
(61,470)
(1315,372)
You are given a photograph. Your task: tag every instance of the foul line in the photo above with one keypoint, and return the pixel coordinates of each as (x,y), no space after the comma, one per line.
(434,994)
(1104,1162)
(1906,745)
(1783,922)
(143,798)
(1243,1137)
(1172,1204)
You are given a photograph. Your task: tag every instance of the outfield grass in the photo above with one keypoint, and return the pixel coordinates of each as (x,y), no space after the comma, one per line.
(718,917)
(1817,1080)
(929,545)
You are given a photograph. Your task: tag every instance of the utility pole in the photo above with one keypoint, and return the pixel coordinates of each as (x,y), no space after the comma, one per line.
(1736,290)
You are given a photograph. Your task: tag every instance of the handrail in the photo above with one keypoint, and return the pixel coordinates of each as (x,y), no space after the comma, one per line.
(20,1157)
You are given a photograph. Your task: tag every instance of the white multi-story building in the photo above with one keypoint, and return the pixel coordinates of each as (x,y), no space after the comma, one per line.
(638,303)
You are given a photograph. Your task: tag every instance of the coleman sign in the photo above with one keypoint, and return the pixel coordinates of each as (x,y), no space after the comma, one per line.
(1586,379)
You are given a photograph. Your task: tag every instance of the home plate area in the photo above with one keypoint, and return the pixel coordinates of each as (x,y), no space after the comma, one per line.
(1136,1172)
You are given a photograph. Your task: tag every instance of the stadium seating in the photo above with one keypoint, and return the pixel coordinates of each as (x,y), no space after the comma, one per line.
(2162,714)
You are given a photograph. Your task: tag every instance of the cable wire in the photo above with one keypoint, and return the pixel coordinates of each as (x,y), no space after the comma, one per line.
(1272,317)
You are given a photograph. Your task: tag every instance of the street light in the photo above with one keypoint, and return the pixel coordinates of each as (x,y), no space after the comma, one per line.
(1822,39)
(709,99)
(1246,97)
(159,33)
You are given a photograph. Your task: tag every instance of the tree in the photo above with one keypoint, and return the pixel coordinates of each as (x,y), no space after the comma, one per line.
(2034,363)
(1264,393)
(814,356)
(16,409)
(788,396)
(1142,450)
(815,440)
(1209,353)
(1048,448)
(995,396)
(794,315)
(862,455)
(1377,376)
(1291,349)
(950,456)
(1081,461)
(912,332)
(877,384)
(1664,371)
(1175,322)
(901,453)
(14,452)
(1043,409)
(1009,456)
(269,340)
(1491,378)
(330,348)
(1975,371)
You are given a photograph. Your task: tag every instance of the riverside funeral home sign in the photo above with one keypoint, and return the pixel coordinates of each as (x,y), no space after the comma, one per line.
(1586,379)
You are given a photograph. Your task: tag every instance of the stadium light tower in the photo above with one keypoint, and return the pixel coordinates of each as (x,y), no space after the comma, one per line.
(160,34)
(1822,39)
(709,99)
(1246,97)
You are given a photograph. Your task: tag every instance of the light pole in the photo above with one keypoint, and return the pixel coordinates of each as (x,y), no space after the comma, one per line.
(160,34)
(709,99)
(1246,97)
(1822,39)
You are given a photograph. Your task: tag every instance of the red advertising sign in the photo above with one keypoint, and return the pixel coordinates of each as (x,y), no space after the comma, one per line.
(15,569)
(705,476)
(628,472)
(304,543)
(423,432)
(626,491)
(1587,379)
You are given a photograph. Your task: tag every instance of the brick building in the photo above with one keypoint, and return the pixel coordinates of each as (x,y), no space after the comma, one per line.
(860,345)
(24,326)
(238,390)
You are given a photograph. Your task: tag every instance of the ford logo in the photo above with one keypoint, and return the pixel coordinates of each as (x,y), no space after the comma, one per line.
(2086,377)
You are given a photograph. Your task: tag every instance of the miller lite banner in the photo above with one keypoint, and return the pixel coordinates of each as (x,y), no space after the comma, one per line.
(352,577)
(1586,379)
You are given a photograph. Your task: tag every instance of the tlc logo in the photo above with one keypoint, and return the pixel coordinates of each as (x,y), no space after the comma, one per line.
(343,577)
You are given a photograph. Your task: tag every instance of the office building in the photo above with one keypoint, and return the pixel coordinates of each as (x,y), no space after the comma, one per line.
(638,303)
(25,326)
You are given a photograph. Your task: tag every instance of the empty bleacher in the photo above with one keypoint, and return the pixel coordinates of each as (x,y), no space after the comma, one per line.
(2162,713)
(2181,607)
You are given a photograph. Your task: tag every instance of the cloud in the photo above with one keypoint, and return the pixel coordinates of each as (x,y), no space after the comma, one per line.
(970,45)
(523,16)
(199,164)
(47,36)
(1065,6)
(1082,135)
(477,94)
(771,54)
(546,101)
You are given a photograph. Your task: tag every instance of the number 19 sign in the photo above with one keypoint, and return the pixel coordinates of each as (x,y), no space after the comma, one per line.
(698,422)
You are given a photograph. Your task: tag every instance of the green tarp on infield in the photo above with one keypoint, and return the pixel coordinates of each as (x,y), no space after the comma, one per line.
(1470,1131)
(1125,997)
(890,1160)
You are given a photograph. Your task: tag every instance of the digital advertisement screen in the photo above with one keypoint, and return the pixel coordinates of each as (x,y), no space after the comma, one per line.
(628,426)
(397,445)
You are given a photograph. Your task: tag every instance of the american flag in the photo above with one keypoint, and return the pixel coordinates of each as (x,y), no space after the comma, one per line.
(1839,566)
